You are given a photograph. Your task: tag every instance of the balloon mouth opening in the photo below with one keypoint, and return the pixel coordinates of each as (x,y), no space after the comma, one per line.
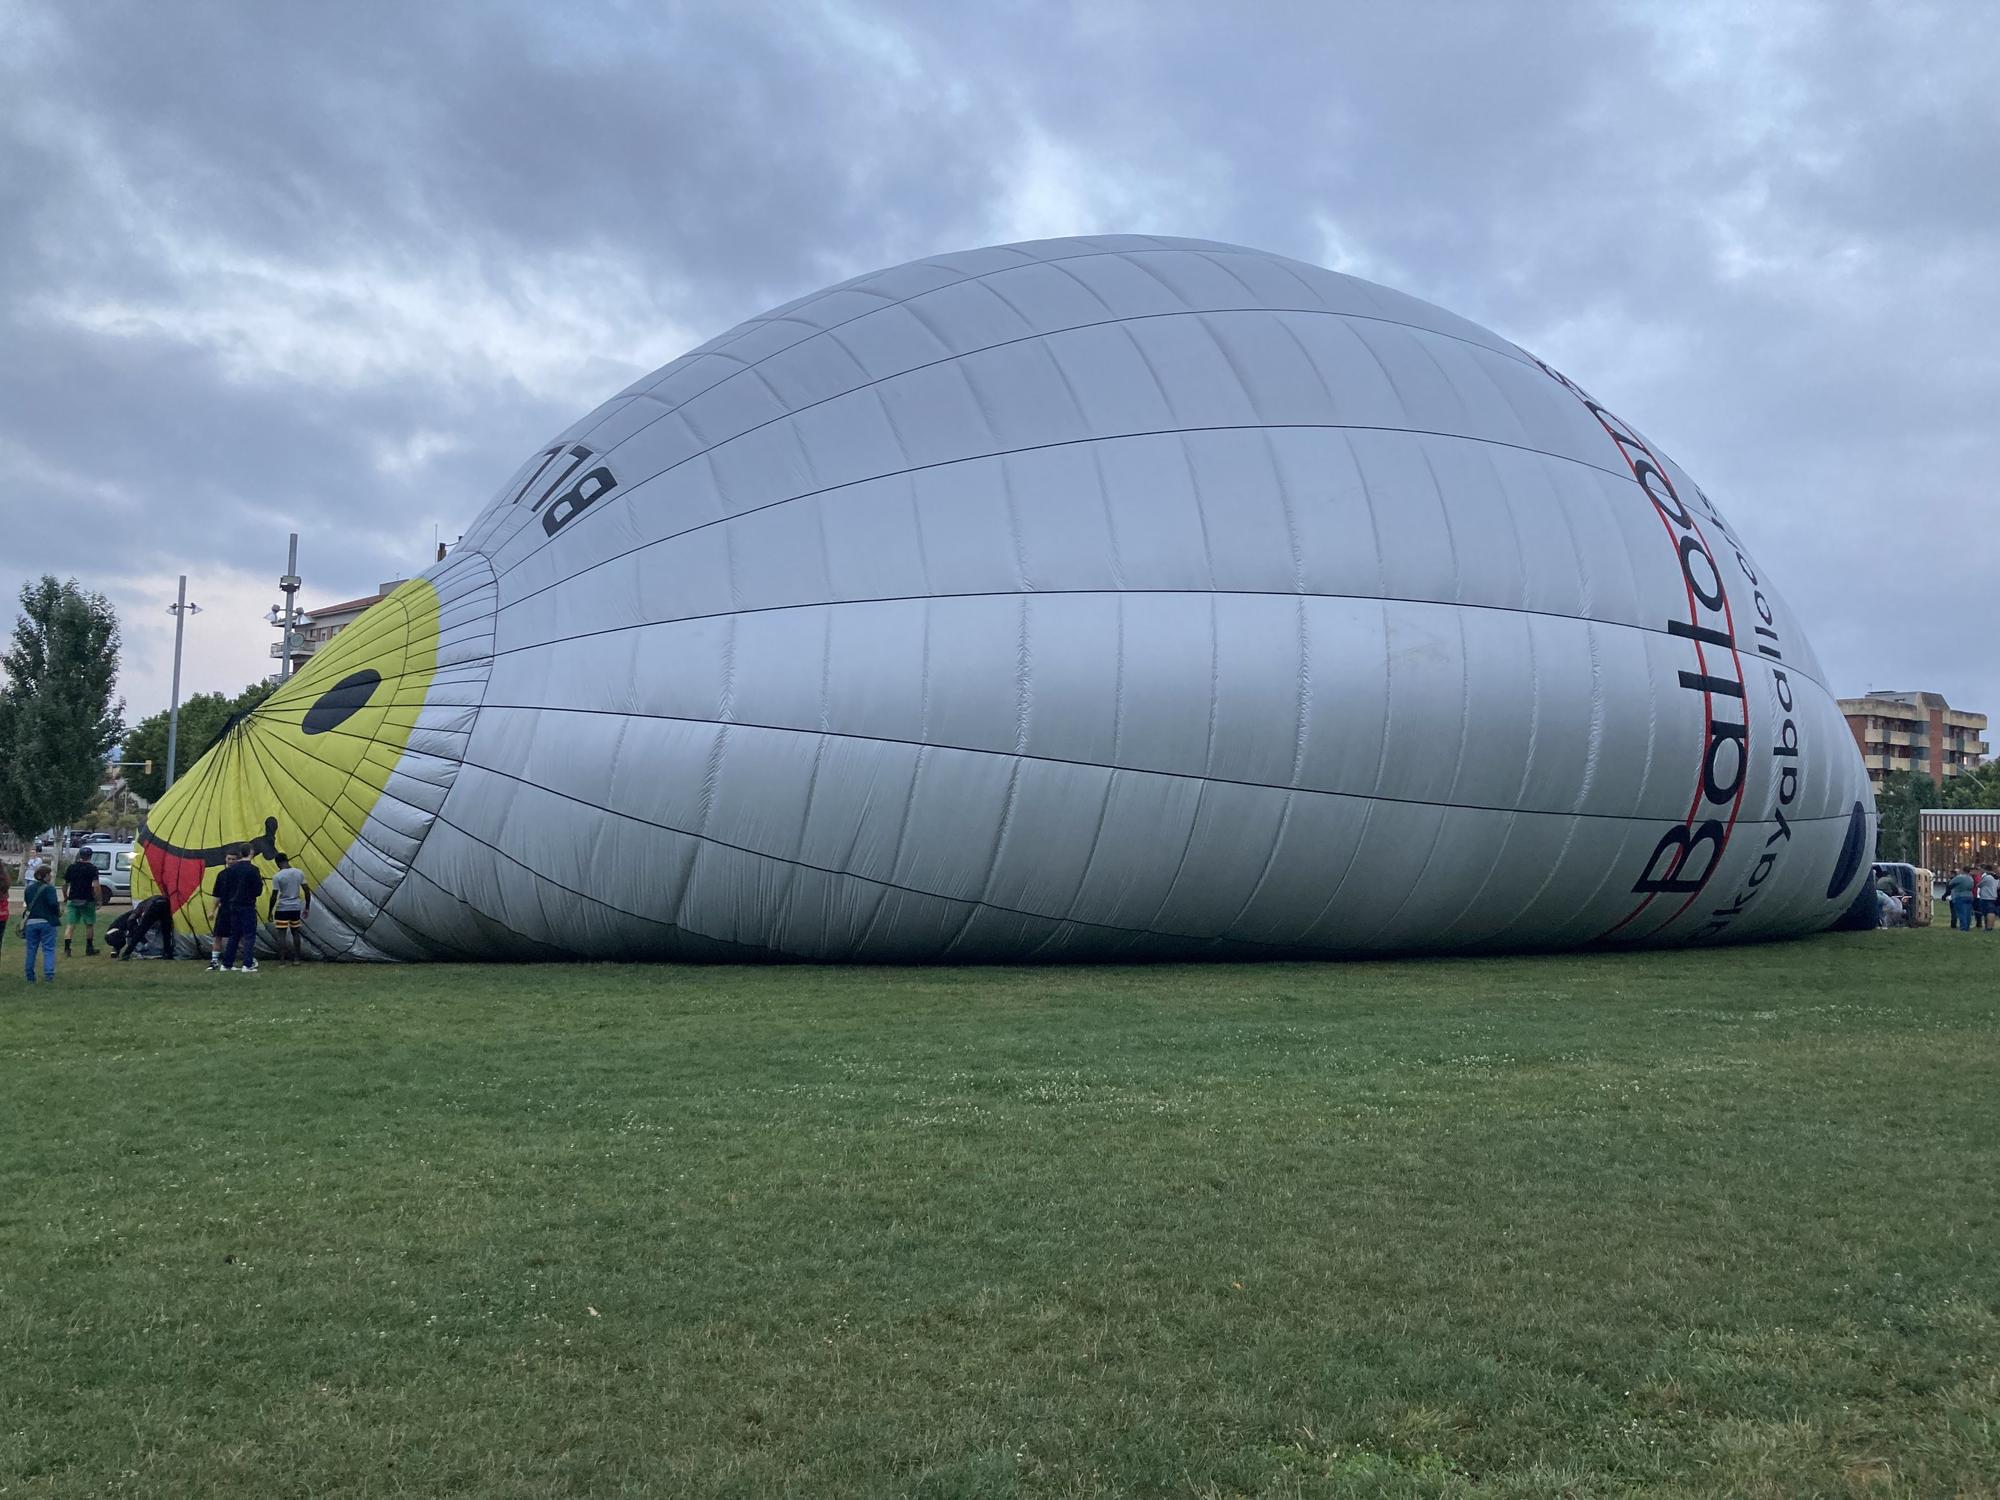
(179,871)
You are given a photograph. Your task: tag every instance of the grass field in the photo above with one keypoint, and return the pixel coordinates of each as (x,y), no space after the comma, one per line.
(1722,1223)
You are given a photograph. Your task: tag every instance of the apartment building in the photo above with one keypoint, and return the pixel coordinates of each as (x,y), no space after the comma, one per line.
(1914,731)
(323,624)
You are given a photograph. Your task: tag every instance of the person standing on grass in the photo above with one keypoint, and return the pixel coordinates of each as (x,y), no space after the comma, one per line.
(1987,894)
(6,879)
(1959,893)
(221,934)
(80,882)
(41,914)
(290,901)
(236,891)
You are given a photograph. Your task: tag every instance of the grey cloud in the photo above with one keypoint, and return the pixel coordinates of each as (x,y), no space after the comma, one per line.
(355,261)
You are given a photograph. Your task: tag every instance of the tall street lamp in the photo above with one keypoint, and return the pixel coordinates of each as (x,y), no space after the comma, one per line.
(294,627)
(180,609)
(288,617)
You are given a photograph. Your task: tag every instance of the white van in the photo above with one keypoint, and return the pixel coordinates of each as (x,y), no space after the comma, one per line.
(115,860)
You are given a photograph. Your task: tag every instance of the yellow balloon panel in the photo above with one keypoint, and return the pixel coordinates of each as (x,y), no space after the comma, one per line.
(299,774)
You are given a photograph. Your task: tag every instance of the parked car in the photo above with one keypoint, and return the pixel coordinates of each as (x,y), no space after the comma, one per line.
(115,860)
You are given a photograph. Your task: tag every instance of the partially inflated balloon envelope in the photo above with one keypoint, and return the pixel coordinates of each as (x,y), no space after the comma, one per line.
(1097,598)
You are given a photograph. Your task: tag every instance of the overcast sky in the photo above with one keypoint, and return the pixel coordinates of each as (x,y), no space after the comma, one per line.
(337,268)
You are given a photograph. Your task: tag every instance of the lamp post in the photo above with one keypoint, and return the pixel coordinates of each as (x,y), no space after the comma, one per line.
(294,626)
(288,617)
(180,609)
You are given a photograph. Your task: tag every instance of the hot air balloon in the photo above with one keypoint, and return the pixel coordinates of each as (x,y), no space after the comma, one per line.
(1106,598)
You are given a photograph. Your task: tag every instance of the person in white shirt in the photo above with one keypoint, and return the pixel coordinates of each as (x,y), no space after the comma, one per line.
(290,901)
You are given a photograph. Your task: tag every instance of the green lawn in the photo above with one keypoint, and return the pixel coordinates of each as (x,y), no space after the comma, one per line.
(1721,1223)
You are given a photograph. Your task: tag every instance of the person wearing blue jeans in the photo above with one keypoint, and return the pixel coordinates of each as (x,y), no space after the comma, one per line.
(1959,892)
(243,932)
(41,910)
(236,891)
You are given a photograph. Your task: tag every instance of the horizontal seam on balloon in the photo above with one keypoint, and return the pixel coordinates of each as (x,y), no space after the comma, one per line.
(889,304)
(360,930)
(712,448)
(439,817)
(709,838)
(1057,760)
(472,906)
(1003,453)
(751,948)
(674,408)
(743,330)
(827,330)
(1271,786)
(892,885)
(763,609)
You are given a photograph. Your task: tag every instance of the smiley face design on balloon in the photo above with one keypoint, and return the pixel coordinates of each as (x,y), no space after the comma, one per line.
(303,773)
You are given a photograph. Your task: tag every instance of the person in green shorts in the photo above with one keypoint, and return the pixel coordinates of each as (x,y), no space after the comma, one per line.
(81,889)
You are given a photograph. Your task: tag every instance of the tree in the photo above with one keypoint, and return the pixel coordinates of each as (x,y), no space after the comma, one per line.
(58,716)
(1902,796)
(1979,787)
(202,718)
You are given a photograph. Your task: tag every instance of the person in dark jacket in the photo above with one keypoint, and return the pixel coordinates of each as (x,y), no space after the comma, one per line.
(128,934)
(41,914)
(236,891)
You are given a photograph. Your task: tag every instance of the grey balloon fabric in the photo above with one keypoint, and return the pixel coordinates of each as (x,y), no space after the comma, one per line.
(1103,598)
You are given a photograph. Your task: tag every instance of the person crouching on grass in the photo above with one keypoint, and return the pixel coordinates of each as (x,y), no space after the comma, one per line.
(236,891)
(128,934)
(290,901)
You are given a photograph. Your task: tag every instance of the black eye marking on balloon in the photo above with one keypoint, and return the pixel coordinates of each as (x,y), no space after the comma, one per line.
(1851,850)
(342,701)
